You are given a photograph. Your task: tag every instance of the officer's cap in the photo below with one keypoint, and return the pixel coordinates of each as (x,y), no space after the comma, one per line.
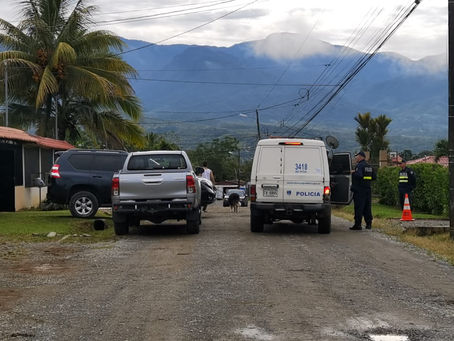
(360,153)
(403,161)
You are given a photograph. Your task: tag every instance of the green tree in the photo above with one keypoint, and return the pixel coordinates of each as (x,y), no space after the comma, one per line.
(159,142)
(371,133)
(221,156)
(441,149)
(406,154)
(60,71)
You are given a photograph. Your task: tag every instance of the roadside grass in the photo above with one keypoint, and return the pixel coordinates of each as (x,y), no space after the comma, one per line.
(438,245)
(34,225)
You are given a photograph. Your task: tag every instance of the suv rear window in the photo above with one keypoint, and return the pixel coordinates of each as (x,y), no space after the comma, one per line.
(157,161)
(81,161)
(108,162)
(98,162)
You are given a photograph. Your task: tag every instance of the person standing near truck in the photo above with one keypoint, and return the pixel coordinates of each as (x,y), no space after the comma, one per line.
(207,173)
(407,183)
(362,176)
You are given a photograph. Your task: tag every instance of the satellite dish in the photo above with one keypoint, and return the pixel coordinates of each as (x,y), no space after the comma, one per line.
(332,142)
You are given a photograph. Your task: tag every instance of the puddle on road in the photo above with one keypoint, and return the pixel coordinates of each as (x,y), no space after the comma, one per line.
(389,337)
(254,332)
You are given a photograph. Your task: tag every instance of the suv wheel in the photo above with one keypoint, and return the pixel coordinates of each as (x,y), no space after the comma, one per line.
(83,204)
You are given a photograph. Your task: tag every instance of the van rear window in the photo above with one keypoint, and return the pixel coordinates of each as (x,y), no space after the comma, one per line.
(157,161)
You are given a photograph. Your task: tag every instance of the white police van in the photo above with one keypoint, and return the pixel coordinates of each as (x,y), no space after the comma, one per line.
(293,179)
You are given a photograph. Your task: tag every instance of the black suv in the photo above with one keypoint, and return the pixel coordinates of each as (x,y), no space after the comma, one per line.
(83,179)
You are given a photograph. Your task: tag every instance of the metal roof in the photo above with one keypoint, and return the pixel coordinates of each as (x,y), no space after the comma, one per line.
(45,142)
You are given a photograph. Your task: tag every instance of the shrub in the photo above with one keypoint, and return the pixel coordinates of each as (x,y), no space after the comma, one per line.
(432,188)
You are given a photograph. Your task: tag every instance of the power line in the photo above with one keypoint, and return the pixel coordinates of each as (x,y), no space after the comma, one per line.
(162,15)
(229,83)
(381,40)
(158,8)
(191,29)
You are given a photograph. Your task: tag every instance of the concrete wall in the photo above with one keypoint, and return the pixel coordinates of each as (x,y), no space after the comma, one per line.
(28,197)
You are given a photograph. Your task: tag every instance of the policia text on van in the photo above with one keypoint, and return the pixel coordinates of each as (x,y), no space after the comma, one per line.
(291,179)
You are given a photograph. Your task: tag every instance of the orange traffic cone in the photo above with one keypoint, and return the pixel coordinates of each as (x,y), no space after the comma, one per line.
(406,213)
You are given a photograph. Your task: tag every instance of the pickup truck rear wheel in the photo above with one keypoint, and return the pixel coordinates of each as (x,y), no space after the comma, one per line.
(121,228)
(83,204)
(192,226)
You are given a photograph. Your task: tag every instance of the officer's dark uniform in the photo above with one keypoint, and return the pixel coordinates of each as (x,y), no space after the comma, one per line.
(362,196)
(407,183)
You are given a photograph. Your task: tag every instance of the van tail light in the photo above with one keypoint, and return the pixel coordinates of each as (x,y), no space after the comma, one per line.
(55,172)
(326,193)
(253,193)
(116,185)
(190,184)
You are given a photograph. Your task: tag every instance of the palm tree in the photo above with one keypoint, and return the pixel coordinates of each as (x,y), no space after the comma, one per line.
(363,136)
(379,129)
(64,77)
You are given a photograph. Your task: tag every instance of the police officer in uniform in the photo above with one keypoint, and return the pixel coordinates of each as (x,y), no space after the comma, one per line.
(407,182)
(362,176)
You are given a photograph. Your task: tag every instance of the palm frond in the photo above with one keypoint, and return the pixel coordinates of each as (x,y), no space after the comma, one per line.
(47,86)
(64,53)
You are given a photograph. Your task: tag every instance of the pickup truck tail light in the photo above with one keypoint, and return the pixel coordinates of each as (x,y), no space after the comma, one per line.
(253,193)
(326,193)
(190,184)
(55,172)
(116,185)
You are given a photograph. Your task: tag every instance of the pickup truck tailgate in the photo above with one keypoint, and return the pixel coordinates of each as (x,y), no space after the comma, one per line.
(153,185)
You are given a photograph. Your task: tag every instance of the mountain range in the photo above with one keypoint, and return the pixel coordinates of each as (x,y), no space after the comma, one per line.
(195,93)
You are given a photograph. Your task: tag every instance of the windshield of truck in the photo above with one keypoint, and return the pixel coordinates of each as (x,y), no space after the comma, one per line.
(157,161)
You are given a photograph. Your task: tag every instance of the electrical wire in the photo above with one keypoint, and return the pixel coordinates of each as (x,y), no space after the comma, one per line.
(195,10)
(229,83)
(191,29)
(361,63)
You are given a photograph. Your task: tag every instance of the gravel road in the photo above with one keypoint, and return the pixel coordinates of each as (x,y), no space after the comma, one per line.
(226,283)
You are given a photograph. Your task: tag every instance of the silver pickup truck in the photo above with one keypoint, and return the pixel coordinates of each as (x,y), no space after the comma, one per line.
(156,186)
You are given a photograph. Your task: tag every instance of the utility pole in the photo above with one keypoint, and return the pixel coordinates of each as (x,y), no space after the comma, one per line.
(258,123)
(56,117)
(6,94)
(451,115)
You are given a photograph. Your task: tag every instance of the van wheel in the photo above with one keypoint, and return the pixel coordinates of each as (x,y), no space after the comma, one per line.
(324,222)
(83,204)
(257,223)
(121,228)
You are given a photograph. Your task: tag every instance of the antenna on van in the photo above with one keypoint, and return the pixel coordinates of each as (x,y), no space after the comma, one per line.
(332,142)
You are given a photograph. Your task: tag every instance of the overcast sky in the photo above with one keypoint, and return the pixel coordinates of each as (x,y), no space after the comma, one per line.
(333,21)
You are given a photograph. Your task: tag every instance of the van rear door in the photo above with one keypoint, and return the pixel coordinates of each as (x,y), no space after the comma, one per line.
(269,181)
(341,179)
(303,174)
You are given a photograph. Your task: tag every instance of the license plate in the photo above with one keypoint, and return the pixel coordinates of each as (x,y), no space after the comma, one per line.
(269,191)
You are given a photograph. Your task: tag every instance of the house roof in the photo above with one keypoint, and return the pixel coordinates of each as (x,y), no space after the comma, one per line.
(15,134)
(443,160)
(46,142)
(52,143)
